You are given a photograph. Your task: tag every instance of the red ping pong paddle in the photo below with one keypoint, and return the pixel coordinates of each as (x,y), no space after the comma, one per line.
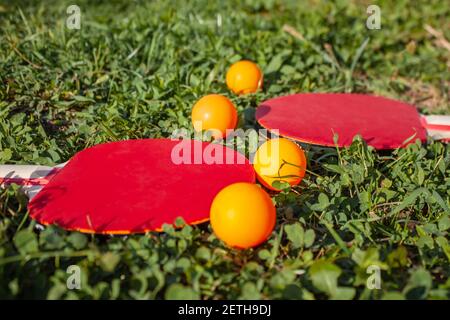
(131,186)
(383,123)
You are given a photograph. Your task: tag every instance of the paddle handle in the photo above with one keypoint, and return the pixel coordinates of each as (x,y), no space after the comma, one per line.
(437,126)
(31,178)
(25,175)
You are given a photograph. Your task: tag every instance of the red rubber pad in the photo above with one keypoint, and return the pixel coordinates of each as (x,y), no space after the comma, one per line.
(134,186)
(315,117)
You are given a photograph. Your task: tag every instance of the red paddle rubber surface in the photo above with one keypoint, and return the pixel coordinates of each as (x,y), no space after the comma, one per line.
(315,117)
(134,186)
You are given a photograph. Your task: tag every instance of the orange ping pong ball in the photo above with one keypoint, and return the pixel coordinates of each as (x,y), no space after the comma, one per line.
(242,215)
(216,113)
(279,159)
(244,77)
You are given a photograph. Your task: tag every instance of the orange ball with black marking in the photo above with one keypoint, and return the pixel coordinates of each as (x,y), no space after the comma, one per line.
(279,159)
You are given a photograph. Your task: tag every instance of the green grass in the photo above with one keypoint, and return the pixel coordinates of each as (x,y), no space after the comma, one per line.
(135,69)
